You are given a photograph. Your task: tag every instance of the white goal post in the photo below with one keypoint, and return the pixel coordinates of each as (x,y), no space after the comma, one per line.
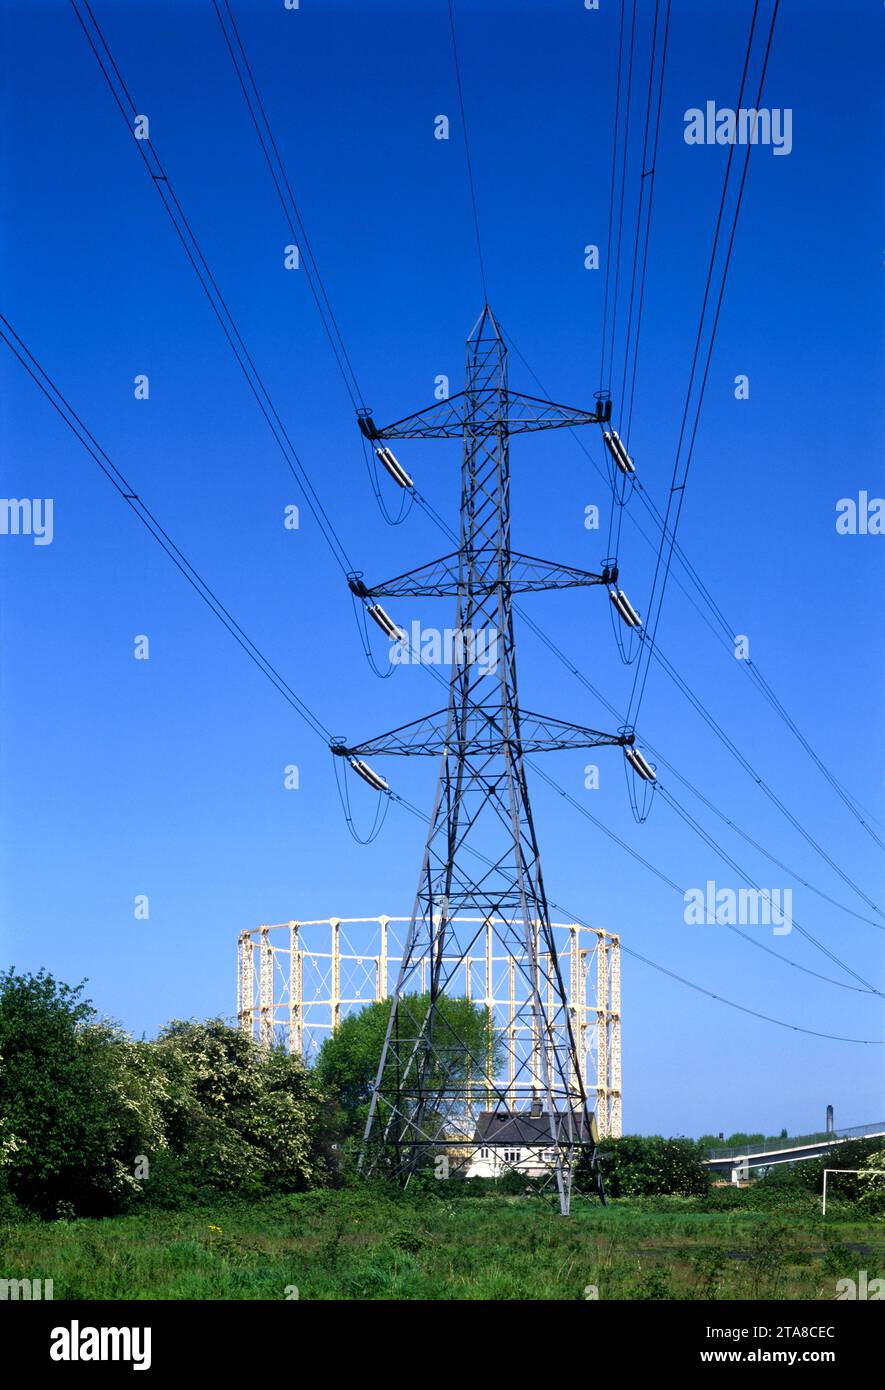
(860,1171)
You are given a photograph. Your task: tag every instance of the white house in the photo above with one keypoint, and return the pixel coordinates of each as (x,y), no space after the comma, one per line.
(518,1141)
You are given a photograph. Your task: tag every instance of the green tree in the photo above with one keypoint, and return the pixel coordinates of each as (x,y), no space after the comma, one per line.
(91,1121)
(347,1063)
(71,1114)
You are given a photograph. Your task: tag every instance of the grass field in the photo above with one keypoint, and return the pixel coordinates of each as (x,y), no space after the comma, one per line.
(361,1245)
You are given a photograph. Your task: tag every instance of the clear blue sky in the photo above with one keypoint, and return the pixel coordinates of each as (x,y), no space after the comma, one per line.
(165,778)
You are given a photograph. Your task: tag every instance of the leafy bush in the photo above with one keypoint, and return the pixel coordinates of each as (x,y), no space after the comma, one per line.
(872,1198)
(637,1166)
(75,1105)
(853,1153)
(235,1119)
(91,1121)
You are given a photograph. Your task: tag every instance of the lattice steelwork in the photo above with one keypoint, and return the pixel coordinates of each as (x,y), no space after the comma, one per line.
(481,859)
(298,980)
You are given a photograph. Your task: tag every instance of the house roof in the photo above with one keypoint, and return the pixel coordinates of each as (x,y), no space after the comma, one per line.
(521,1127)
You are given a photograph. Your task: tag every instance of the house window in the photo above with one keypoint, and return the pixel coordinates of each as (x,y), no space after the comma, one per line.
(512,1155)
(483,1153)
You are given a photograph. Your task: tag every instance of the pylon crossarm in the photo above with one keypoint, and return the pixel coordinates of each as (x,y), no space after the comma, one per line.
(424,735)
(436,579)
(525,413)
(440,578)
(442,420)
(488,410)
(531,575)
(431,735)
(540,733)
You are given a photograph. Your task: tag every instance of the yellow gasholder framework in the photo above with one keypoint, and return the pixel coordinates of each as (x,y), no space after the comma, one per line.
(297,980)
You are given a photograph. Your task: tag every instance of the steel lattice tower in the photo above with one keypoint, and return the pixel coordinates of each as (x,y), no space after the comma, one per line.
(481,857)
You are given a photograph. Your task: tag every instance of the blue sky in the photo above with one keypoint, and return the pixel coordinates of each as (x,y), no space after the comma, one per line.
(166,777)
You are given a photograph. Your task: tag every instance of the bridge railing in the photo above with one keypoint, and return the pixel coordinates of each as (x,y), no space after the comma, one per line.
(796,1141)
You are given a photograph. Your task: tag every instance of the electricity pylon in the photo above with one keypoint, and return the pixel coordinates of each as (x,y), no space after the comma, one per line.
(481,857)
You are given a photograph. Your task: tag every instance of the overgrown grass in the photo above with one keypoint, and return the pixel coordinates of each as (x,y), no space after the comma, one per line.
(365,1244)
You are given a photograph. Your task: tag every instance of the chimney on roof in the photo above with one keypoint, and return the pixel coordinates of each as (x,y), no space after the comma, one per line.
(536,1105)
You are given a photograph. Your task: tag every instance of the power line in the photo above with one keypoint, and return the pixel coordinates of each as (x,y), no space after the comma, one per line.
(611,203)
(751,667)
(662,761)
(125,490)
(742,1008)
(729,639)
(288,202)
(291,211)
(258,129)
(708,839)
(621,485)
(640,201)
(732,863)
(645,174)
(779,863)
(699,706)
(680,979)
(678,488)
(281,180)
(712,844)
(757,777)
(328,530)
(216,299)
(623,182)
(482,269)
